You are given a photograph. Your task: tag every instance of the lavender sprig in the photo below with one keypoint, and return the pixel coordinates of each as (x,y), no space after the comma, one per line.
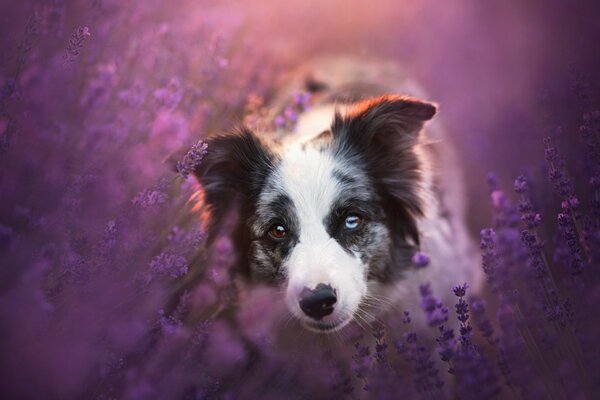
(76,42)
(192,159)
(435,312)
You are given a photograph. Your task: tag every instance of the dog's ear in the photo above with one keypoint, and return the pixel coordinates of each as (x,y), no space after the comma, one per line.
(381,135)
(234,169)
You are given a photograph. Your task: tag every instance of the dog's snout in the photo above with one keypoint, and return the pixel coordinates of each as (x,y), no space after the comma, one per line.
(318,303)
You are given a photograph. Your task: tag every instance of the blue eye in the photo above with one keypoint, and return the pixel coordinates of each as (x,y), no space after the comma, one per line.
(352,222)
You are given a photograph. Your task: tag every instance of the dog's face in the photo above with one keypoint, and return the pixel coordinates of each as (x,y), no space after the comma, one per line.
(327,217)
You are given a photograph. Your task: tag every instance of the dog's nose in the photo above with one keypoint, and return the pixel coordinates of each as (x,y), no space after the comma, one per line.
(319,302)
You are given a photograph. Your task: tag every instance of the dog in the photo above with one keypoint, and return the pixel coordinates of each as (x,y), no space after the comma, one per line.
(334,212)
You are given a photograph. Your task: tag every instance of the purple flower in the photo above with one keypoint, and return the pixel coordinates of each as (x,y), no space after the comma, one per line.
(380,355)
(482,321)
(525,206)
(361,363)
(291,115)
(168,324)
(301,99)
(446,345)
(192,159)
(435,312)
(489,258)
(574,249)
(76,41)
(280,121)
(420,260)
(149,198)
(557,173)
(169,264)
(425,375)
(492,181)
(462,313)
(520,184)
(461,290)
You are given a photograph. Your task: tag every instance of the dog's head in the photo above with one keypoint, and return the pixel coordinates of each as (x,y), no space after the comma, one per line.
(327,217)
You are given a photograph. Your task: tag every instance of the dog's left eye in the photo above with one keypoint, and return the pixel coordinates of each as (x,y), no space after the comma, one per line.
(352,221)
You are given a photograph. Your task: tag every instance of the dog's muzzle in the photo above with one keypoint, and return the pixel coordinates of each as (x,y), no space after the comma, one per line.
(319,302)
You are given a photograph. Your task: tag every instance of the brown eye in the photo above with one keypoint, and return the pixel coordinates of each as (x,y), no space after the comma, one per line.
(278,231)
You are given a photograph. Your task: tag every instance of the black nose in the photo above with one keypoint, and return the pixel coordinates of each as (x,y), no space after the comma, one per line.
(319,302)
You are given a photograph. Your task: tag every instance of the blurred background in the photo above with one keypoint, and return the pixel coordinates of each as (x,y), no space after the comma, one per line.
(502,71)
(97,94)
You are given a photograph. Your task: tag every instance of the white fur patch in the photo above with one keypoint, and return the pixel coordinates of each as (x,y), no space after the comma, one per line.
(305,175)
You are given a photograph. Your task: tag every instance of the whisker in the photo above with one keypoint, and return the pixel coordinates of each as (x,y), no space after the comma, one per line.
(363,316)
(389,304)
(358,318)
(381,299)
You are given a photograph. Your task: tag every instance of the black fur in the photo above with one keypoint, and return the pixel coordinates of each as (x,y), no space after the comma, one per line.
(232,175)
(344,178)
(267,254)
(380,134)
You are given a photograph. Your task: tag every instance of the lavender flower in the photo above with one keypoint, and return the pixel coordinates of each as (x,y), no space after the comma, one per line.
(462,314)
(168,324)
(420,260)
(446,346)
(280,121)
(289,117)
(492,181)
(525,207)
(575,258)
(520,184)
(380,354)
(192,159)
(361,363)
(475,376)
(301,99)
(473,370)
(169,264)
(435,312)
(76,41)
(149,198)
(570,219)
(482,322)
(489,256)
(503,255)
(426,377)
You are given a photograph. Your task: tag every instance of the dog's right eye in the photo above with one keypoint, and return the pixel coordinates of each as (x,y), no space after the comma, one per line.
(278,232)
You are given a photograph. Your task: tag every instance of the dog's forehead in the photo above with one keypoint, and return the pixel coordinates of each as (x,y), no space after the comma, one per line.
(307,176)
(314,179)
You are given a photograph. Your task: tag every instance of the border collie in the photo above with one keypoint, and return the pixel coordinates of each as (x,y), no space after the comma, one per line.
(334,212)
